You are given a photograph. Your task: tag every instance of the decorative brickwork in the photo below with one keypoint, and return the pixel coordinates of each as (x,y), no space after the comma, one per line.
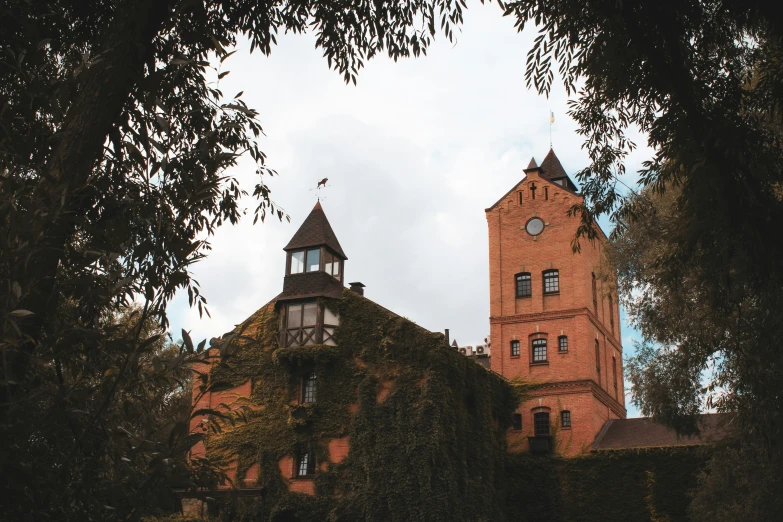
(567,308)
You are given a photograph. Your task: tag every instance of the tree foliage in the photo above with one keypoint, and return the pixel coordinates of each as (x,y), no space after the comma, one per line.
(702,80)
(114,150)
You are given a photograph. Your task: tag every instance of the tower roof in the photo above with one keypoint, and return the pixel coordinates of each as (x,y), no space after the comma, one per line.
(553,170)
(316,231)
(532,164)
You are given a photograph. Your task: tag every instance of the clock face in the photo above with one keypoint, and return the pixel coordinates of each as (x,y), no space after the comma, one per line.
(535,226)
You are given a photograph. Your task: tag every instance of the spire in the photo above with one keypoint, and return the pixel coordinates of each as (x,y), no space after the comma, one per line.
(316,231)
(552,167)
(532,164)
(552,170)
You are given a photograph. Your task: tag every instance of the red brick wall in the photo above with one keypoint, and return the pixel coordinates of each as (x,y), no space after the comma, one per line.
(570,313)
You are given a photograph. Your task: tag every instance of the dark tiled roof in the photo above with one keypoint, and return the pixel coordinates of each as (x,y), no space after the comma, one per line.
(620,434)
(553,171)
(316,231)
(310,284)
(532,164)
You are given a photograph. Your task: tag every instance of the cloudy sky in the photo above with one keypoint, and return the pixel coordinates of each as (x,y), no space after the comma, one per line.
(414,154)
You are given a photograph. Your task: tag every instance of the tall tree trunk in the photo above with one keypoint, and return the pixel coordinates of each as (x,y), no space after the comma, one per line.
(105,88)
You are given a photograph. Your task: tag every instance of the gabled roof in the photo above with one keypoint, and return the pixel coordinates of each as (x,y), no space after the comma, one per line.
(551,170)
(620,434)
(316,231)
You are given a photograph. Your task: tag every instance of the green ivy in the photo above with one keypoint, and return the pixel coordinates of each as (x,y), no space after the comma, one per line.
(433,449)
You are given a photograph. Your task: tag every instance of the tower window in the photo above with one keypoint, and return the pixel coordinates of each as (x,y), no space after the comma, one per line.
(308,388)
(297,262)
(306,261)
(313,260)
(551,282)
(517,422)
(597,357)
(562,343)
(305,465)
(546,192)
(565,419)
(611,313)
(514,348)
(520,197)
(614,371)
(332,264)
(524,286)
(541,424)
(539,350)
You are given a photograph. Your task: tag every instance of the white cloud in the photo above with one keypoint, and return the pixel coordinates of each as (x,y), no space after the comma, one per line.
(414,154)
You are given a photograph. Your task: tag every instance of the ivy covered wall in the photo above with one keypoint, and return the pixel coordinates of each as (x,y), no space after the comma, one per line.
(426,426)
(644,485)
(426,433)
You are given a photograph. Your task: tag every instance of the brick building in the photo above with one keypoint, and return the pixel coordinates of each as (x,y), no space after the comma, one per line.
(554,316)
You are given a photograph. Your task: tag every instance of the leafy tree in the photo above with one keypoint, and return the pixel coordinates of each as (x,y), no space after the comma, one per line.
(114,150)
(703,80)
(707,341)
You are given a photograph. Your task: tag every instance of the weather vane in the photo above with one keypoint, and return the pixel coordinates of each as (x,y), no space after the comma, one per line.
(321,184)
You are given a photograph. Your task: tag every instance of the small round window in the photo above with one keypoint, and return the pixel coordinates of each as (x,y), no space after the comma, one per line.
(535,226)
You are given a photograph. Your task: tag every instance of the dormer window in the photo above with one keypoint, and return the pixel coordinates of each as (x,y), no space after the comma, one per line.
(308,323)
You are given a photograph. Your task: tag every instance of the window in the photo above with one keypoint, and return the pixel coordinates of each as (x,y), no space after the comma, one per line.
(517,422)
(611,313)
(551,282)
(514,348)
(597,357)
(614,371)
(331,321)
(546,192)
(306,323)
(313,260)
(562,343)
(539,350)
(565,419)
(308,388)
(332,264)
(305,465)
(306,261)
(524,287)
(520,197)
(297,262)
(595,295)
(541,424)
(301,320)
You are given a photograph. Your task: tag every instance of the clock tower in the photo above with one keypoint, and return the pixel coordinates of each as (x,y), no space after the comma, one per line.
(554,317)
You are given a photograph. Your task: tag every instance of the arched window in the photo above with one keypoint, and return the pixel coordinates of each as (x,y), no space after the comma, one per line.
(541,422)
(305,463)
(524,287)
(565,419)
(539,350)
(551,281)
